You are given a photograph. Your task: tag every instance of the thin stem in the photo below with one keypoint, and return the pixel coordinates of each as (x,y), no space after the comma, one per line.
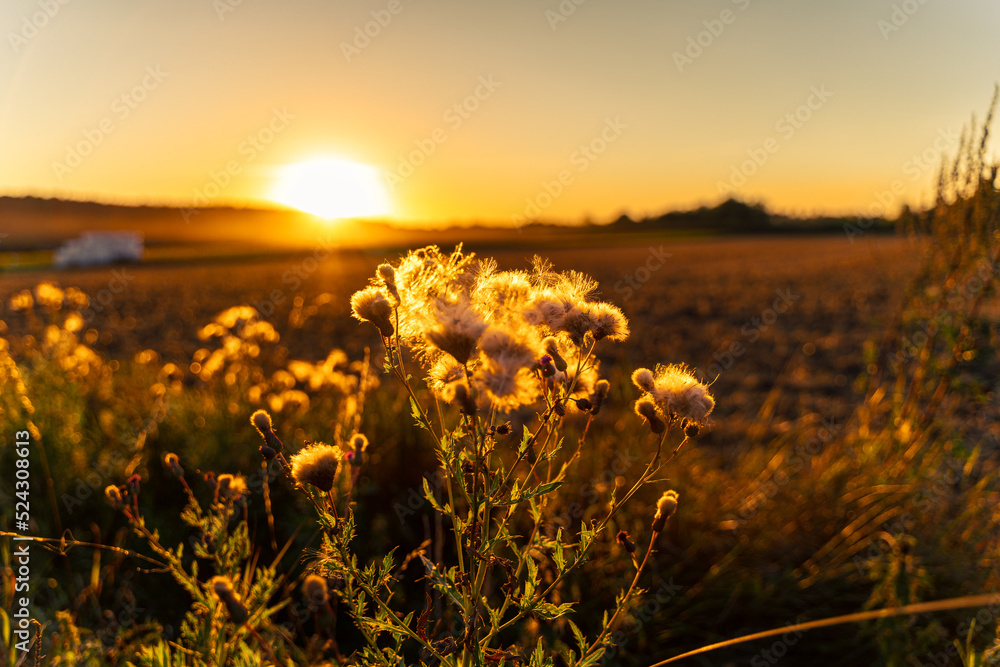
(458,533)
(371,640)
(76,543)
(263,642)
(484,537)
(906,610)
(400,373)
(624,602)
(526,607)
(397,620)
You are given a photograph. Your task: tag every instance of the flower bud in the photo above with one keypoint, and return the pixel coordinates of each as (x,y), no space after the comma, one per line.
(262,422)
(133,484)
(359,444)
(114,496)
(645,407)
(600,393)
(173,464)
(223,589)
(552,347)
(547,366)
(388,276)
(626,542)
(643,379)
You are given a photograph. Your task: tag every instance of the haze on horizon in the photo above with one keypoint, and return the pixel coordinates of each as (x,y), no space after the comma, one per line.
(561,109)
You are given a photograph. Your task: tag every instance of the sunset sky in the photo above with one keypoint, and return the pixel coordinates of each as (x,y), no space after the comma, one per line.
(493,110)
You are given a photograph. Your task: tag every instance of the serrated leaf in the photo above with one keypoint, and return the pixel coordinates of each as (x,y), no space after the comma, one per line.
(549,611)
(534,511)
(586,536)
(538,656)
(442,584)
(540,490)
(387,564)
(494,615)
(525,439)
(581,641)
(429,495)
(593,659)
(532,568)
(417,416)
(558,556)
(531,583)
(498,475)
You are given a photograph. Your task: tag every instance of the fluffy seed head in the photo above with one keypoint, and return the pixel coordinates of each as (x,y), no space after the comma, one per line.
(643,379)
(370,305)
(665,508)
(231,487)
(318,465)
(678,392)
(506,370)
(315,591)
(607,321)
(576,322)
(546,311)
(457,329)
(388,276)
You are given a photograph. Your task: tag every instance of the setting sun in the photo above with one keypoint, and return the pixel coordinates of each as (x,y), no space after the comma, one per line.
(331,188)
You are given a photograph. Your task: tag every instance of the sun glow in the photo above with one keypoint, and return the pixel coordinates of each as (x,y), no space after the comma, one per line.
(331,188)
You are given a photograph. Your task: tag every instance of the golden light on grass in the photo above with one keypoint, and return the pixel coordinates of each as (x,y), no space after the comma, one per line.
(332,188)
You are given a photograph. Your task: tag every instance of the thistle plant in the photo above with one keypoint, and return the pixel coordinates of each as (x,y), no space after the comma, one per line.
(231,616)
(496,365)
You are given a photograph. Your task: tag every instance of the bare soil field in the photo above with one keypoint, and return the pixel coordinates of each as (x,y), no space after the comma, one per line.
(779,323)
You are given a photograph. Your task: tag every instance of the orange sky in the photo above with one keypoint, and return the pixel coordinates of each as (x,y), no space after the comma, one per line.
(495,111)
